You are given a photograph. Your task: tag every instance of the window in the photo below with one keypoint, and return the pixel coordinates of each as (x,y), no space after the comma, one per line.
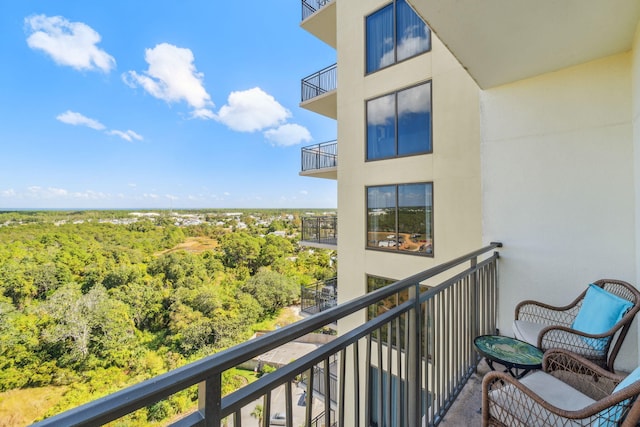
(395,33)
(381,307)
(400,218)
(399,124)
(379,386)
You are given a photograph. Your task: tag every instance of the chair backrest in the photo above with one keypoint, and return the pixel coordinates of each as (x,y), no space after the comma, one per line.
(627,291)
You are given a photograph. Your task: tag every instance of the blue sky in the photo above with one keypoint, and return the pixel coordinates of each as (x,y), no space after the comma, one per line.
(164,104)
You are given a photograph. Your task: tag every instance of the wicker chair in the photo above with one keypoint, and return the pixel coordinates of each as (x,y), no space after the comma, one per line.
(569,391)
(548,327)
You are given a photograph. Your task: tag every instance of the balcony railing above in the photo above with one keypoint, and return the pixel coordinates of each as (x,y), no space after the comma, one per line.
(320,158)
(319,296)
(320,231)
(433,329)
(321,82)
(309,7)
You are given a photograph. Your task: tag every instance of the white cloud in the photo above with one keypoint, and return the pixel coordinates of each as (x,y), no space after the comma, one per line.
(381,111)
(128,135)
(77,119)
(252,110)
(8,193)
(415,100)
(172,77)
(36,192)
(68,43)
(304,192)
(409,45)
(203,113)
(288,134)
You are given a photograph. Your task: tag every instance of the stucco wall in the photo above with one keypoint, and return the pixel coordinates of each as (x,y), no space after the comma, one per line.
(454,166)
(558,184)
(635,85)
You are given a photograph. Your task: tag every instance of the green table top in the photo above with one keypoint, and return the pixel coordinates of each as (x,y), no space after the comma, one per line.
(510,350)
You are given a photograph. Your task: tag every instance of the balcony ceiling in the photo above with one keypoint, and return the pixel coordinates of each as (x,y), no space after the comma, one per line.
(502,41)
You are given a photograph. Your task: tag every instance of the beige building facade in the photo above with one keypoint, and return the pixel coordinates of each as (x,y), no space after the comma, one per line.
(535,121)
(452,166)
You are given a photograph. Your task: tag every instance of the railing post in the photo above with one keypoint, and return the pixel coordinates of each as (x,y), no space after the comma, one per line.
(414,360)
(475,321)
(209,398)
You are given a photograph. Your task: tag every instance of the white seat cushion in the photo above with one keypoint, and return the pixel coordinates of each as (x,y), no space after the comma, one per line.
(504,402)
(527,331)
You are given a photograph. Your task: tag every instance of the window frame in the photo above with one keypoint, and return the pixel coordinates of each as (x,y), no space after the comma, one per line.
(430,226)
(394,18)
(395,93)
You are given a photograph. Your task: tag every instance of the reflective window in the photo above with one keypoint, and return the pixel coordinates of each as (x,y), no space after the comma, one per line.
(381,127)
(400,218)
(380,44)
(399,124)
(414,120)
(386,46)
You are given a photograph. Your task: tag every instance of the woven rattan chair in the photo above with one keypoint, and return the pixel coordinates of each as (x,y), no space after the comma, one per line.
(569,391)
(546,326)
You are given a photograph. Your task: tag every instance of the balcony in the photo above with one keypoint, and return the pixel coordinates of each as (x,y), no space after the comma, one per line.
(319,92)
(319,19)
(319,296)
(320,232)
(355,379)
(320,160)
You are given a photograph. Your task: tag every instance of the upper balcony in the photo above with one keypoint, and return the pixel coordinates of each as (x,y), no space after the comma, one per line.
(319,296)
(352,380)
(319,19)
(320,160)
(319,92)
(320,232)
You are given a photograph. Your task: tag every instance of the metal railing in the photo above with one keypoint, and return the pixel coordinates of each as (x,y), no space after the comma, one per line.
(309,7)
(320,229)
(404,367)
(319,296)
(320,156)
(320,82)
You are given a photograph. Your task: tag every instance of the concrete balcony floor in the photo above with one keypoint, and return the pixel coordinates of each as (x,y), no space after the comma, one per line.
(467,408)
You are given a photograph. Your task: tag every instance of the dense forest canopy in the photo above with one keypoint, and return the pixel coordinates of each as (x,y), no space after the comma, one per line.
(98,300)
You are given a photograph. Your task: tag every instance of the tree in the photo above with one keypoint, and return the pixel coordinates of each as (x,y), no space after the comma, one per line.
(272,290)
(240,250)
(275,249)
(84,322)
(258,413)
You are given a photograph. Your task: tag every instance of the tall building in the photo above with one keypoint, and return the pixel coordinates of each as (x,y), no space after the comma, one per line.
(516,122)
(408,169)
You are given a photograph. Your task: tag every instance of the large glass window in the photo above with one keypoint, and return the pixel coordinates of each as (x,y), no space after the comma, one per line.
(394,33)
(399,124)
(400,218)
(379,378)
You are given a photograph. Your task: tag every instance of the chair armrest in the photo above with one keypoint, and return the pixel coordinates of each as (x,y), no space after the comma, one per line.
(539,312)
(580,373)
(594,347)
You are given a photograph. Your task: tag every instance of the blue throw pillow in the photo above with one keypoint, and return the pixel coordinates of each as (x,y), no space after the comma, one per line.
(628,380)
(611,417)
(600,311)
